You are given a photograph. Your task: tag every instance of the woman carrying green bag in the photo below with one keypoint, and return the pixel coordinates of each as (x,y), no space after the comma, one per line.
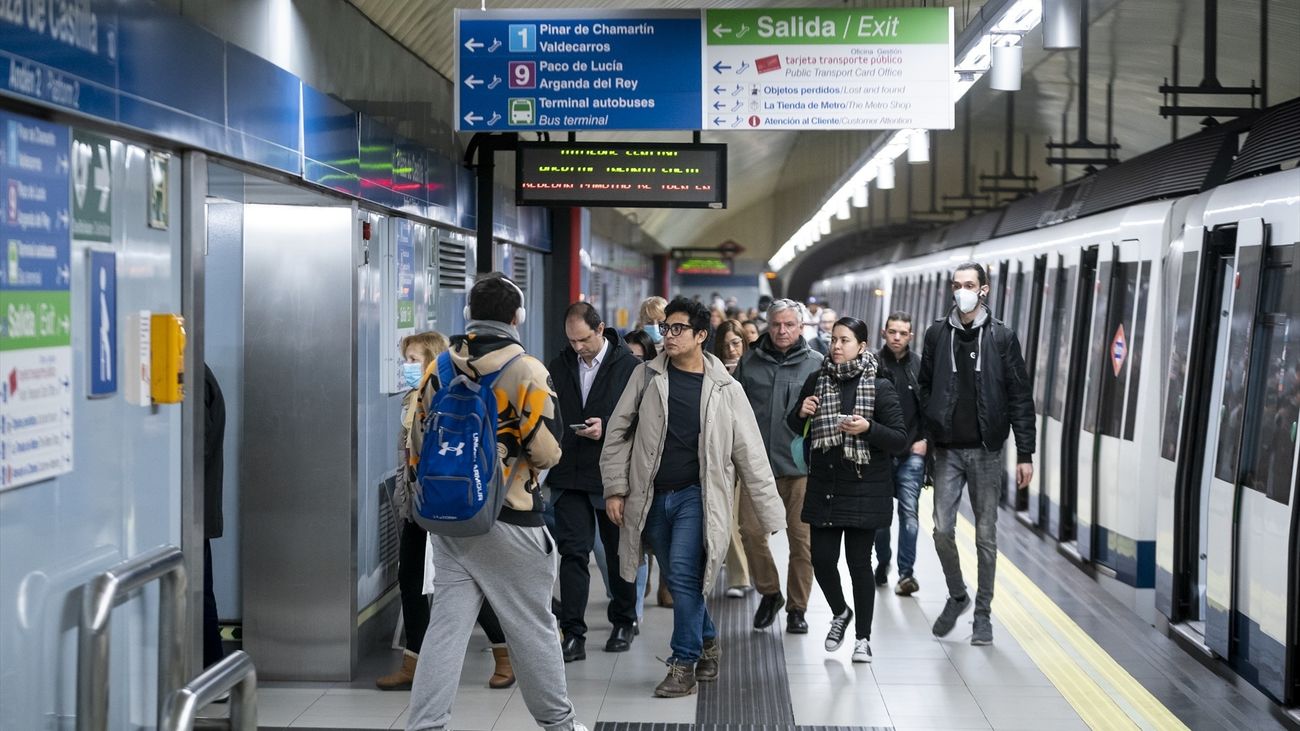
(854,423)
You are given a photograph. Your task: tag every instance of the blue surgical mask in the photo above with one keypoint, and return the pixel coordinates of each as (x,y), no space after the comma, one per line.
(411,374)
(652,330)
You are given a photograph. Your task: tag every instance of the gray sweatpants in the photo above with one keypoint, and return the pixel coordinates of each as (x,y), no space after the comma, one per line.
(984,473)
(514,568)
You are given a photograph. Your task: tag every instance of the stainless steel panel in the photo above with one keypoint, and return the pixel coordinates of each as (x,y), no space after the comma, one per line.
(194,244)
(298,472)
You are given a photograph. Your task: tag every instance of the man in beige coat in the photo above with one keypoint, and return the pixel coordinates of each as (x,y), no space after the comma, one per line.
(680,435)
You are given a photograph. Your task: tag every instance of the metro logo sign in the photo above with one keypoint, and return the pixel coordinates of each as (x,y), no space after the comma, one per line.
(1118,350)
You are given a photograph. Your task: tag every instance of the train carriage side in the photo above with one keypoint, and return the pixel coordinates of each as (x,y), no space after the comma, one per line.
(1231,412)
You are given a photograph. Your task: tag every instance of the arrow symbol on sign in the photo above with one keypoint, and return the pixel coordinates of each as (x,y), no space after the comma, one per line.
(718,90)
(63,163)
(471,44)
(64,275)
(720,66)
(495,118)
(63,218)
(496,81)
(472,118)
(471,82)
(720,30)
(718,105)
(495,45)
(717,121)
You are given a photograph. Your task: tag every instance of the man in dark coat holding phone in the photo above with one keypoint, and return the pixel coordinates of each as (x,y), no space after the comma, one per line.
(589,376)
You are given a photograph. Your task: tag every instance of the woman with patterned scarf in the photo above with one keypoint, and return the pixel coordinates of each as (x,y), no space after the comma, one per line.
(854,423)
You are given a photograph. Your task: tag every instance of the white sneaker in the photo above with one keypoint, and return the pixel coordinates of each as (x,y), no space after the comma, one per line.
(862,651)
(839,623)
(735,592)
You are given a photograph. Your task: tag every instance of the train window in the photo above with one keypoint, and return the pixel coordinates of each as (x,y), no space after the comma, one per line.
(1135,342)
(1048,335)
(1176,378)
(994,299)
(1065,315)
(1274,408)
(1099,350)
(1232,416)
(1117,340)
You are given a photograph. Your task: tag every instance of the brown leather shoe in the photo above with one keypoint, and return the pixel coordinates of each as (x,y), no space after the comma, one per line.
(504,675)
(402,677)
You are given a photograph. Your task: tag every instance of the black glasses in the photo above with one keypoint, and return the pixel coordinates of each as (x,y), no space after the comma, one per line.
(675,329)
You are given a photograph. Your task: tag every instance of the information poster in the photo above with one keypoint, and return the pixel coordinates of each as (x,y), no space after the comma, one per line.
(820,68)
(102,367)
(405,275)
(35,303)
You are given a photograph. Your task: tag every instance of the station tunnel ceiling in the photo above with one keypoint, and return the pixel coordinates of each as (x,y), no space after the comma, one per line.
(777,179)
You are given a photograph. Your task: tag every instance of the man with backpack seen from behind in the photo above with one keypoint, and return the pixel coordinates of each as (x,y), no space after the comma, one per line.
(975,392)
(681,434)
(589,376)
(513,564)
(900,365)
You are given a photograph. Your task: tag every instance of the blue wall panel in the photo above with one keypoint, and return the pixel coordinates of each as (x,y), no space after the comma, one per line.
(329,142)
(173,63)
(263,111)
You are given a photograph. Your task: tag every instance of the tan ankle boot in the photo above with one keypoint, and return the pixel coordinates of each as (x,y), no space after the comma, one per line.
(504,675)
(401,679)
(665,596)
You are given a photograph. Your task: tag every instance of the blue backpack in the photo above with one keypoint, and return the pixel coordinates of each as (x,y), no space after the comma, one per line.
(459,487)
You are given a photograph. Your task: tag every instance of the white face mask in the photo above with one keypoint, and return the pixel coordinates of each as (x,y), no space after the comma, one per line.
(967,300)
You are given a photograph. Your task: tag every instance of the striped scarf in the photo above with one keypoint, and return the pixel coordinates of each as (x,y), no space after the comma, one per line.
(826,432)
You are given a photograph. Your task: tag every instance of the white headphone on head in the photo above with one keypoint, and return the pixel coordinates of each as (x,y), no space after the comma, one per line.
(520,312)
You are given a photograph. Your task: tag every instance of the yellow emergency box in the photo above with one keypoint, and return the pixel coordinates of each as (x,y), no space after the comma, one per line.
(167,358)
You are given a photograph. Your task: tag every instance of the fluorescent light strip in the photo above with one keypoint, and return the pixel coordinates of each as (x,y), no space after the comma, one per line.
(1020,18)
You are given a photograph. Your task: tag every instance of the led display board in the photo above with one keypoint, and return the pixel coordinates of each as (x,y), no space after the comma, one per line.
(704,265)
(637,175)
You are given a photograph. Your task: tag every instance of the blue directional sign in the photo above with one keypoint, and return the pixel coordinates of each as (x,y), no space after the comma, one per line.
(567,70)
(36,218)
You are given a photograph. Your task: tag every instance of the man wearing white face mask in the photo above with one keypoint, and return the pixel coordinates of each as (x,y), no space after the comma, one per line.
(975,392)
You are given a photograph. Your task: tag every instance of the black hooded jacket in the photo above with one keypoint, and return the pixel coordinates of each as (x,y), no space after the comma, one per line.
(1002,398)
(579,467)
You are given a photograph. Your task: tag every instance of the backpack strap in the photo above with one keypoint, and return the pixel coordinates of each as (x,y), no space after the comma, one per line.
(446,371)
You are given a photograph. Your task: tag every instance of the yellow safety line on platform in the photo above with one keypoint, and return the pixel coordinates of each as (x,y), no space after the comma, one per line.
(1069,658)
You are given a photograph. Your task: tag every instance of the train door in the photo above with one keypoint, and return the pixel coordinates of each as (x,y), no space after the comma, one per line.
(1101,344)
(1265,470)
(1219,493)
(1072,389)
(1028,290)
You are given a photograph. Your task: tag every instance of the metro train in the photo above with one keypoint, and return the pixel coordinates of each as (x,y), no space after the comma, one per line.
(1163,341)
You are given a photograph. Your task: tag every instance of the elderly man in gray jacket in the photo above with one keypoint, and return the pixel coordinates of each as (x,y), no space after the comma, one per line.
(772,373)
(679,437)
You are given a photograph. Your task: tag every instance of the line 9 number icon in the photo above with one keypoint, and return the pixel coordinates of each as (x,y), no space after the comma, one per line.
(523,74)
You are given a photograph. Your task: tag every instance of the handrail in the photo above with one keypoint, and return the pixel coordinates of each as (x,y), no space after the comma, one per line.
(99,596)
(235,675)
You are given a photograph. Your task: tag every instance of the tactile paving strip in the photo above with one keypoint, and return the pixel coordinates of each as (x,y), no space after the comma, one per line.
(752,685)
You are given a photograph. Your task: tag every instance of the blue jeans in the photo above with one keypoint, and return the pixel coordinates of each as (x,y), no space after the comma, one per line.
(908,474)
(675,530)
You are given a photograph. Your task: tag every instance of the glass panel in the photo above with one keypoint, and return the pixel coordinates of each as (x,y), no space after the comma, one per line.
(1046,339)
(1099,347)
(1275,383)
(1110,417)
(1065,318)
(1136,339)
(1176,377)
(1232,415)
